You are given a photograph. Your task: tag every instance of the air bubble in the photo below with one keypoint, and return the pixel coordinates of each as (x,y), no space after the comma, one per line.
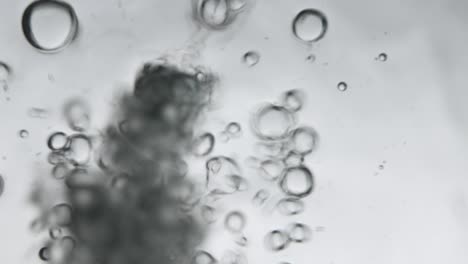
(382,57)
(79,150)
(311,58)
(304,140)
(299,233)
(61,249)
(213,14)
(5,72)
(219,174)
(242,241)
(2,185)
(209,213)
(293,100)
(273,122)
(271,169)
(23,133)
(290,206)
(342,86)
(203,257)
(293,159)
(77,114)
(233,129)
(236,5)
(55,232)
(310,25)
(203,145)
(60,171)
(50,25)
(277,240)
(60,215)
(57,141)
(56,157)
(44,253)
(237,183)
(260,197)
(251,58)
(234,222)
(232,257)
(35,112)
(297,181)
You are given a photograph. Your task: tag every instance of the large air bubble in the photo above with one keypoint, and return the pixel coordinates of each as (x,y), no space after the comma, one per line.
(310,25)
(50,25)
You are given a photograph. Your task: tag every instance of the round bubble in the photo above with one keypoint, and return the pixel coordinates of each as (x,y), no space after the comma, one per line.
(203,145)
(382,57)
(44,253)
(297,181)
(55,232)
(219,173)
(293,100)
(56,157)
(79,150)
(234,222)
(57,141)
(290,206)
(342,86)
(299,232)
(60,215)
(233,129)
(203,257)
(77,114)
(271,169)
(23,133)
(310,25)
(277,240)
(304,140)
(61,249)
(251,58)
(61,170)
(49,25)
(273,122)
(213,14)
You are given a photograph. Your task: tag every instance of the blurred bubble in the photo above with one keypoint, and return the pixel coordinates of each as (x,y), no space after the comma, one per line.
(233,129)
(236,5)
(310,25)
(5,72)
(273,122)
(23,133)
(61,170)
(79,150)
(276,240)
(232,257)
(35,112)
(77,114)
(49,25)
(382,57)
(304,140)
(260,197)
(293,159)
(311,58)
(56,157)
(234,221)
(293,100)
(209,213)
(57,141)
(55,232)
(60,215)
(342,86)
(241,240)
(44,253)
(271,169)
(204,144)
(290,206)
(219,174)
(297,181)
(299,232)
(203,257)
(2,185)
(237,183)
(251,58)
(61,249)
(213,14)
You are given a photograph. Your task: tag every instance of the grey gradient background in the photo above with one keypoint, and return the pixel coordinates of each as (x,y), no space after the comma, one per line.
(410,111)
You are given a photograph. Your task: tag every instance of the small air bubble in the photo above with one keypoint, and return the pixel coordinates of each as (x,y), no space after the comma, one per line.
(233,129)
(77,114)
(203,144)
(310,25)
(290,206)
(342,86)
(273,122)
(23,133)
(276,240)
(49,25)
(219,174)
(242,241)
(35,112)
(60,215)
(304,140)
(61,170)
(299,233)
(382,57)
(381,167)
(44,253)
(234,222)
(57,141)
(251,58)
(213,14)
(203,257)
(55,232)
(311,58)
(297,181)
(293,159)
(260,197)
(5,72)
(293,100)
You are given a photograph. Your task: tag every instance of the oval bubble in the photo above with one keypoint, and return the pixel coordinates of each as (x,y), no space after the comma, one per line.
(56,157)
(272,122)
(61,249)
(23,133)
(2,185)
(251,58)
(382,57)
(49,25)
(203,257)
(310,25)
(271,169)
(44,253)
(60,215)
(293,100)
(234,222)
(299,233)
(304,140)
(57,141)
(203,145)
(277,240)
(297,181)
(61,170)
(76,112)
(290,206)
(79,149)
(55,232)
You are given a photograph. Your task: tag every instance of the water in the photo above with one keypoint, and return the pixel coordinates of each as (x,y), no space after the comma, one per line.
(297,181)
(213,14)
(49,25)
(382,57)
(310,25)
(251,58)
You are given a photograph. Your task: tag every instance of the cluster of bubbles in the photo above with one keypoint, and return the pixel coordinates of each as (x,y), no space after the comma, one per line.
(217,14)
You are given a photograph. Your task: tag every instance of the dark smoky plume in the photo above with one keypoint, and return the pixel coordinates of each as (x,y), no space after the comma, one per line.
(134,205)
